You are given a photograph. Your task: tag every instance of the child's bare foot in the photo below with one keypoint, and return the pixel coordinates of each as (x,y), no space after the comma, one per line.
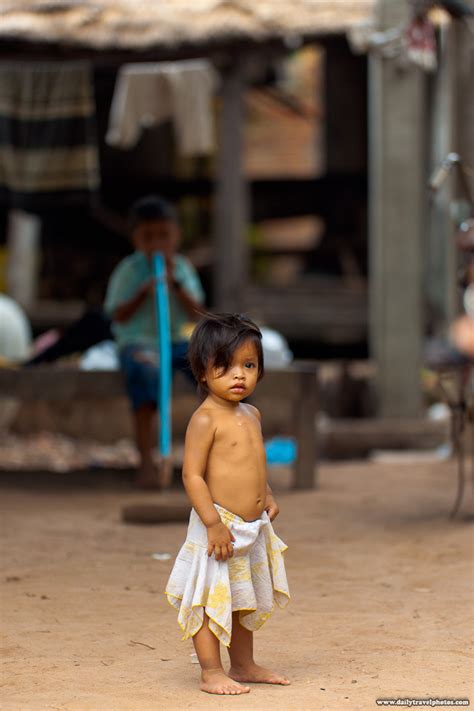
(216,681)
(257,675)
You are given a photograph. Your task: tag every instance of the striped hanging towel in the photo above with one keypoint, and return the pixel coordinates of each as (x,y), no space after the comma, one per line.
(47,132)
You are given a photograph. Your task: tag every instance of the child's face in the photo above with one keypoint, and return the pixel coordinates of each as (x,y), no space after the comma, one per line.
(240,379)
(156,236)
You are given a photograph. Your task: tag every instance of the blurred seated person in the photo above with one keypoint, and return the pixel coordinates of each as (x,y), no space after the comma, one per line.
(130,303)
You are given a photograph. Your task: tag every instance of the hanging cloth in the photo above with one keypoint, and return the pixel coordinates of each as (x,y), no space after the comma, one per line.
(148,94)
(47,132)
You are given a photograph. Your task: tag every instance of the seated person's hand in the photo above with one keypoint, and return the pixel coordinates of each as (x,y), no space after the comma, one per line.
(219,541)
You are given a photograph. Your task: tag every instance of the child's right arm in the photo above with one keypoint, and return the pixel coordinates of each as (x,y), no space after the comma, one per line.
(126,310)
(198,442)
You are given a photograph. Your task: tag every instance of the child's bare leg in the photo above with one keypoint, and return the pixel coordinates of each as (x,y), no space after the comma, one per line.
(243,667)
(214,680)
(144,417)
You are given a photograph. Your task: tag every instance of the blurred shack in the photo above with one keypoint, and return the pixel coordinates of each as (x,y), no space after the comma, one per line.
(317,179)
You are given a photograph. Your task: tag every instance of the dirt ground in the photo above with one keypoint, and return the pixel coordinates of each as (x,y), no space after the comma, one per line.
(381,585)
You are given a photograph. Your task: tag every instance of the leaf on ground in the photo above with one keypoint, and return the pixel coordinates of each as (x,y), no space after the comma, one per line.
(142,644)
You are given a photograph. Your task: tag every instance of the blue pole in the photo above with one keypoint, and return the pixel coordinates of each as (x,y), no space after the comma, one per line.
(165,366)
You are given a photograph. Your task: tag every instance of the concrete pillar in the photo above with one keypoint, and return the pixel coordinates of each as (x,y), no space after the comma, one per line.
(397,207)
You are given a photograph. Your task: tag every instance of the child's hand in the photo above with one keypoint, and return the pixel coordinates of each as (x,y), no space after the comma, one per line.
(271,507)
(219,541)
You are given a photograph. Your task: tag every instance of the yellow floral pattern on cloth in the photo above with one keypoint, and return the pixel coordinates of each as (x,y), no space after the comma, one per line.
(251,581)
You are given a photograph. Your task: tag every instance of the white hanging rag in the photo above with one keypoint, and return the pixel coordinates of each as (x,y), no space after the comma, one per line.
(147,94)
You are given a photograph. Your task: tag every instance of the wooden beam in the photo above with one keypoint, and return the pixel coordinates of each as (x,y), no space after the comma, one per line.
(218,50)
(305,409)
(397,180)
(231,204)
(343,438)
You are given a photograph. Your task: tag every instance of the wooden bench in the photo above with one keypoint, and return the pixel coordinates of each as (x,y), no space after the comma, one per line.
(293,387)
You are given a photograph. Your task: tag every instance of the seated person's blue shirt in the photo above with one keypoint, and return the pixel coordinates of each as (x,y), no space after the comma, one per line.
(141,327)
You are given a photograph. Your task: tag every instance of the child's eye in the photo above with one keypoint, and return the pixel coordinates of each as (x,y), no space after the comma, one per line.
(250,365)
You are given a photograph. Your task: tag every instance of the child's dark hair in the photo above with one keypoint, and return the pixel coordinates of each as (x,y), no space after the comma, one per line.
(215,340)
(151,207)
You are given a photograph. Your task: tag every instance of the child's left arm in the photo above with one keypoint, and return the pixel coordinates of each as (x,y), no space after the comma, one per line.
(271,506)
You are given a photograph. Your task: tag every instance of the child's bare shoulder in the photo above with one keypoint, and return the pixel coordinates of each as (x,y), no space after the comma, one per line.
(202,420)
(252,410)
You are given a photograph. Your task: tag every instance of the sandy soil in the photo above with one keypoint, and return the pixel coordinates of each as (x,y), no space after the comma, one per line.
(381,585)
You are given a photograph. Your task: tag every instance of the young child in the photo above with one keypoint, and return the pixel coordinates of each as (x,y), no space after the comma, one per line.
(130,301)
(230,569)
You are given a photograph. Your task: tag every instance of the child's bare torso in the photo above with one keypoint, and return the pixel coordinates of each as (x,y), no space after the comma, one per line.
(236,466)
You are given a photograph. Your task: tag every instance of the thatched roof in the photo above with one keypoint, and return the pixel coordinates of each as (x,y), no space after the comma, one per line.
(144,25)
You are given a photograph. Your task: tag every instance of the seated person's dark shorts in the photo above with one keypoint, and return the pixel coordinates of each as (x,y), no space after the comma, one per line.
(139,365)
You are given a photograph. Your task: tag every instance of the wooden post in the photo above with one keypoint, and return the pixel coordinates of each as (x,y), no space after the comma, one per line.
(23,242)
(397,190)
(230,210)
(304,418)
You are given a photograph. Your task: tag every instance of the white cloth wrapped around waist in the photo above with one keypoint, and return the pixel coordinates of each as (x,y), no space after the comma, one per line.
(250,582)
